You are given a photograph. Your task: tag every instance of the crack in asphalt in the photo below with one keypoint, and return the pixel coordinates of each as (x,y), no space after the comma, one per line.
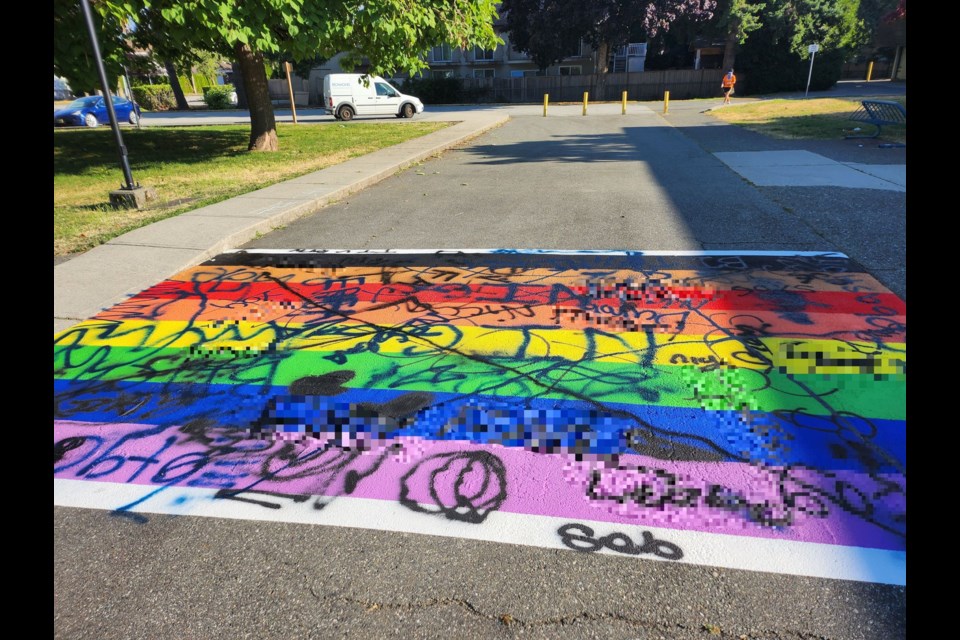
(509,620)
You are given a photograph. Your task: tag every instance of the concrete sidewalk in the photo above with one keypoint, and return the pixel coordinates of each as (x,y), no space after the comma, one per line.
(108,274)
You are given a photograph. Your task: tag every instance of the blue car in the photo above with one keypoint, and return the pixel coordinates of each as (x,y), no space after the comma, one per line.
(92,111)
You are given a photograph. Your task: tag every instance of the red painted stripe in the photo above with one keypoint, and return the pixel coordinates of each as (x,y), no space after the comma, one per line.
(343,293)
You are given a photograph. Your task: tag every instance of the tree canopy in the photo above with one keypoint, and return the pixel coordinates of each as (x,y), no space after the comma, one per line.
(545,29)
(72,52)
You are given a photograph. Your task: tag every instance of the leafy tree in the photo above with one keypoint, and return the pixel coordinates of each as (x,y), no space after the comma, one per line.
(738,19)
(393,34)
(773,58)
(542,28)
(73,53)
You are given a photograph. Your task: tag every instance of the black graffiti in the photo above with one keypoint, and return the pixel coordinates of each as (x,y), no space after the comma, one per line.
(328,384)
(585,542)
(61,448)
(450,472)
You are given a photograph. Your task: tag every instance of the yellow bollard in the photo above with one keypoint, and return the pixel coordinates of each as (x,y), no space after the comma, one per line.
(585,102)
(623,100)
(666,102)
(546,99)
(869,70)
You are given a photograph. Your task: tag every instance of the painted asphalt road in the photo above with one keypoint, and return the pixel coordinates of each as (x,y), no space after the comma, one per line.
(153,396)
(278,580)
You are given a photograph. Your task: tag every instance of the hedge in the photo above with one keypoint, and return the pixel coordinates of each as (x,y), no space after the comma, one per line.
(155,97)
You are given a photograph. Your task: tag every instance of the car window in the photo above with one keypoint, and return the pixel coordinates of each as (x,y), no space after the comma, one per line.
(384,90)
(80,103)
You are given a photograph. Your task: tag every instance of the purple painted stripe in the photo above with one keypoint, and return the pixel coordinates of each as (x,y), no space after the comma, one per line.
(429,472)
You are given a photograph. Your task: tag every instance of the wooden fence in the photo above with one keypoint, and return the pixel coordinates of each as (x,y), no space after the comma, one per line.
(644,86)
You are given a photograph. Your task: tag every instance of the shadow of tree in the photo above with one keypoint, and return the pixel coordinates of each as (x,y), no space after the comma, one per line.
(76,152)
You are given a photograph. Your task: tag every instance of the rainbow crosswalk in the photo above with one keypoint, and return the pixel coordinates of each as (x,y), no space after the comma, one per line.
(712,399)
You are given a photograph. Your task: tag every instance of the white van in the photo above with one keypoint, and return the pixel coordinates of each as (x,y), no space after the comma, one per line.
(345,95)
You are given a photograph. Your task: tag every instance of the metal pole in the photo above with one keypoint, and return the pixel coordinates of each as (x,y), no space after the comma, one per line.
(124,163)
(813,54)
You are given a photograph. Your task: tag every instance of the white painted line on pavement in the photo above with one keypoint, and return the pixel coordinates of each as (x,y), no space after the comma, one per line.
(698,548)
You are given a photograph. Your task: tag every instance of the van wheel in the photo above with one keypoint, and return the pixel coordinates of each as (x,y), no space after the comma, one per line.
(408,111)
(346,113)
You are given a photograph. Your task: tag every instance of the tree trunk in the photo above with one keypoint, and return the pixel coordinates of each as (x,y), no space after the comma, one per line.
(237,81)
(603,57)
(175,85)
(730,46)
(263,124)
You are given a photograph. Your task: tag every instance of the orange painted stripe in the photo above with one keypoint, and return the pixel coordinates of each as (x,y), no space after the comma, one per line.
(884,329)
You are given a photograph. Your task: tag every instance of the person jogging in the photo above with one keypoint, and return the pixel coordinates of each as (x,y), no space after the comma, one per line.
(727,85)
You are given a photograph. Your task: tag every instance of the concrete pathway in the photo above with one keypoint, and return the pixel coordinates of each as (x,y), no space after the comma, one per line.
(806,169)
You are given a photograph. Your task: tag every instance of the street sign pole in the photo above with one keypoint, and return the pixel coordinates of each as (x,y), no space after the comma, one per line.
(813,54)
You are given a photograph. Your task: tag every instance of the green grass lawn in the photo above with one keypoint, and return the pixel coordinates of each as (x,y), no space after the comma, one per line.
(190,167)
(818,119)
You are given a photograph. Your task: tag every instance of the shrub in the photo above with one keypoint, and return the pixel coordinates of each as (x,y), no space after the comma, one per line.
(218,97)
(155,97)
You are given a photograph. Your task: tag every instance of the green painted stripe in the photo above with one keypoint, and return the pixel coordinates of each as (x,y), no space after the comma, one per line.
(674,386)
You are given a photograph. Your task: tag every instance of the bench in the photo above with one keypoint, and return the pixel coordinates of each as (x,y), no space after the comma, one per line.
(878,113)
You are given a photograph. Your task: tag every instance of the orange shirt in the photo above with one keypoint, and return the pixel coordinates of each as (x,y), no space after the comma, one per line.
(729,80)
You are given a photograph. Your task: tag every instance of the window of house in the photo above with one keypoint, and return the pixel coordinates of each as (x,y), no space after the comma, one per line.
(443,53)
(443,73)
(574,49)
(570,70)
(480,53)
(483,73)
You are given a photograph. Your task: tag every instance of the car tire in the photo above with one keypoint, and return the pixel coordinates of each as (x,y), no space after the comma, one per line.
(408,111)
(346,113)
(90,120)
(133,118)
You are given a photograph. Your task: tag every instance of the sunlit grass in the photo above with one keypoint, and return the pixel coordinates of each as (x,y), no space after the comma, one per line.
(190,167)
(817,118)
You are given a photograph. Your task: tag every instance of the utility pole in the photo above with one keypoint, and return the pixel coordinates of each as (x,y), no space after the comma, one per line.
(129,194)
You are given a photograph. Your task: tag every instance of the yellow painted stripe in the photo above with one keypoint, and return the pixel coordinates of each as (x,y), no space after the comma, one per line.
(789,355)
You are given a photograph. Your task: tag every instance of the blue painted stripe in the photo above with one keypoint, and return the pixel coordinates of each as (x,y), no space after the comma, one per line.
(844,442)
